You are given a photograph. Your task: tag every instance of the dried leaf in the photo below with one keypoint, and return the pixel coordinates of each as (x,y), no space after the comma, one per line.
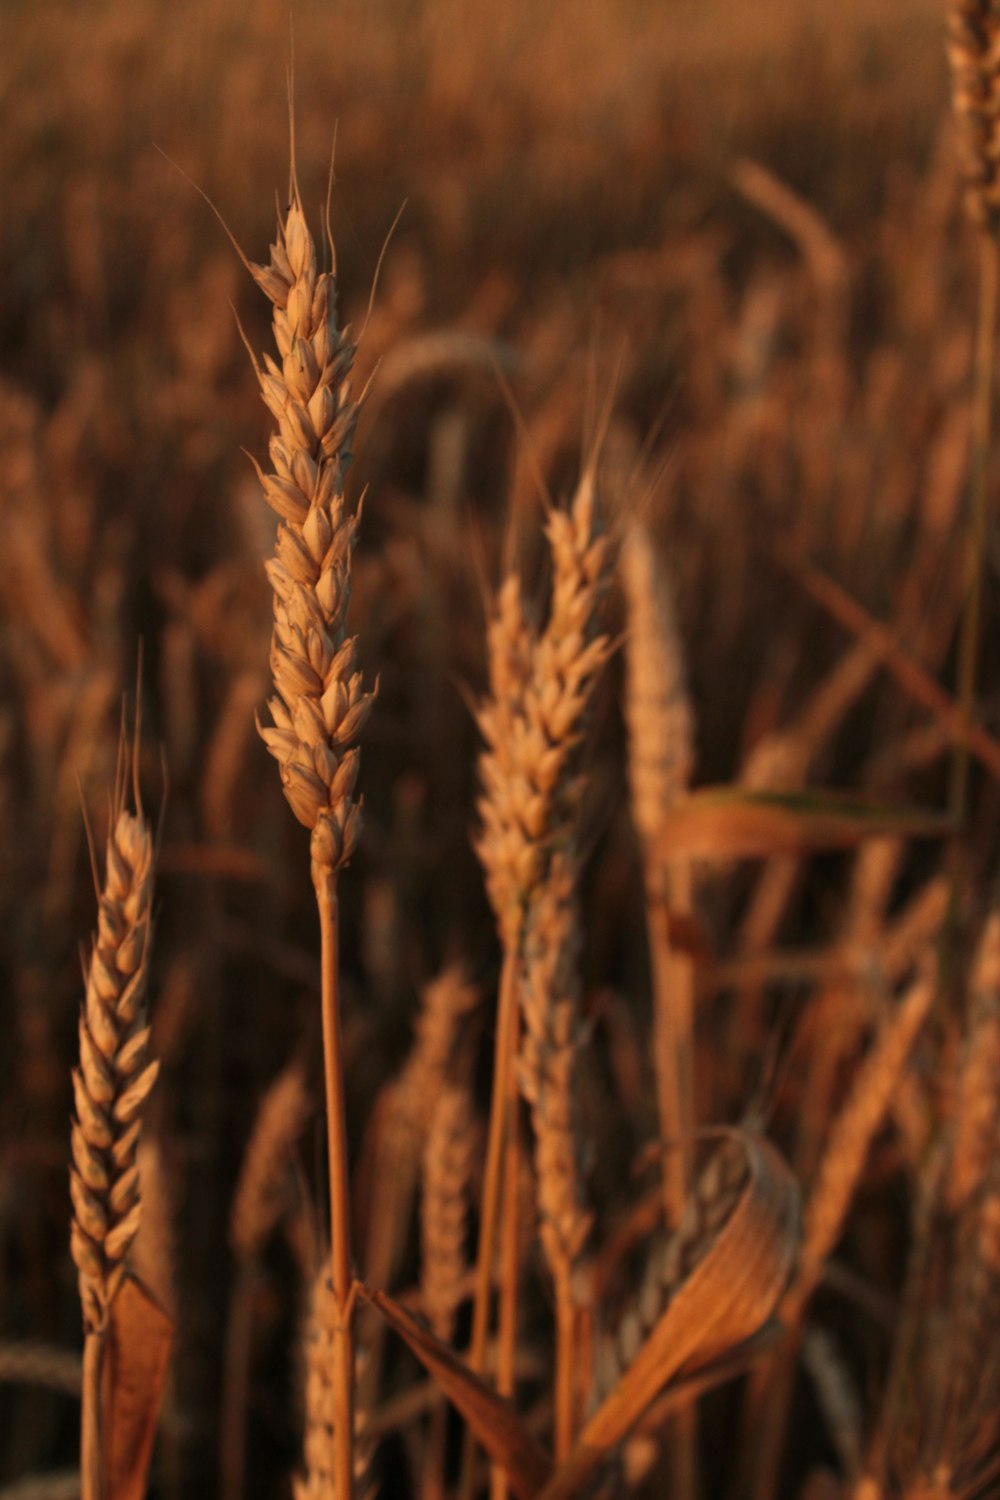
(137,1355)
(726,1300)
(722,822)
(493,1421)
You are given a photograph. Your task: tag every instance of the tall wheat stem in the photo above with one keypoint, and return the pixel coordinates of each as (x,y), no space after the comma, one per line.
(325,883)
(503,1070)
(91,1466)
(982,413)
(510,1247)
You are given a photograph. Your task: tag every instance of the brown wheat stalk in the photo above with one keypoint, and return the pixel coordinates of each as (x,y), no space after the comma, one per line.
(111,1086)
(532,721)
(320,705)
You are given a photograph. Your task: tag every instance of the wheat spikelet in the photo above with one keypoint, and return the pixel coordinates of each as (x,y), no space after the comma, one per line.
(851,1136)
(448,1161)
(317,1480)
(974,54)
(658,709)
(978,1099)
(319,707)
(115,1076)
(262,1188)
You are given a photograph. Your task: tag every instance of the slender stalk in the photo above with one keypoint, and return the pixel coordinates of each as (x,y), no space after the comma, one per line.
(503,1068)
(91,1457)
(510,1260)
(669,888)
(673,1049)
(566,1372)
(325,883)
(982,411)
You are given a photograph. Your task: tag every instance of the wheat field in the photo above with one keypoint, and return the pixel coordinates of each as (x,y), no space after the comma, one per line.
(499,750)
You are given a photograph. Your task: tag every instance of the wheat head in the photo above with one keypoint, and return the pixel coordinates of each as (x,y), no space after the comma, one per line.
(320,706)
(114,1078)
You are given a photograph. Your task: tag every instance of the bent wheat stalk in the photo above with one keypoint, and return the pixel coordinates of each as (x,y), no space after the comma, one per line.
(110,1086)
(320,706)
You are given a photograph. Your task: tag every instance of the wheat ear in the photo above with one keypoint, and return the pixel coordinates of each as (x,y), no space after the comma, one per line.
(532,723)
(111,1086)
(448,1162)
(851,1137)
(550,1002)
(320,705)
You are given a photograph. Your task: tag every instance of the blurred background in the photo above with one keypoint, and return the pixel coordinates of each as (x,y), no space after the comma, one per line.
(743,222)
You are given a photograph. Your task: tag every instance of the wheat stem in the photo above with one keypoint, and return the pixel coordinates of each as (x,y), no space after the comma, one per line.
(503,1068)
(968,661)
(91,1456)
(340,1225)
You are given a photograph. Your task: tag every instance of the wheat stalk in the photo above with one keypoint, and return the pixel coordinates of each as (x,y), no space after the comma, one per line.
(550,1002)
(319,1478)
(532,722)
(320,705)
(111,1086)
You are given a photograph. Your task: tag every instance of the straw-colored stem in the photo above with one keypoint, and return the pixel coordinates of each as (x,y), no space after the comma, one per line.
(566,1372)
(91,1437)
(982,411)
(503,1068)
(510,1257)
(672,1053)
(673,1028)
(340,1224)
